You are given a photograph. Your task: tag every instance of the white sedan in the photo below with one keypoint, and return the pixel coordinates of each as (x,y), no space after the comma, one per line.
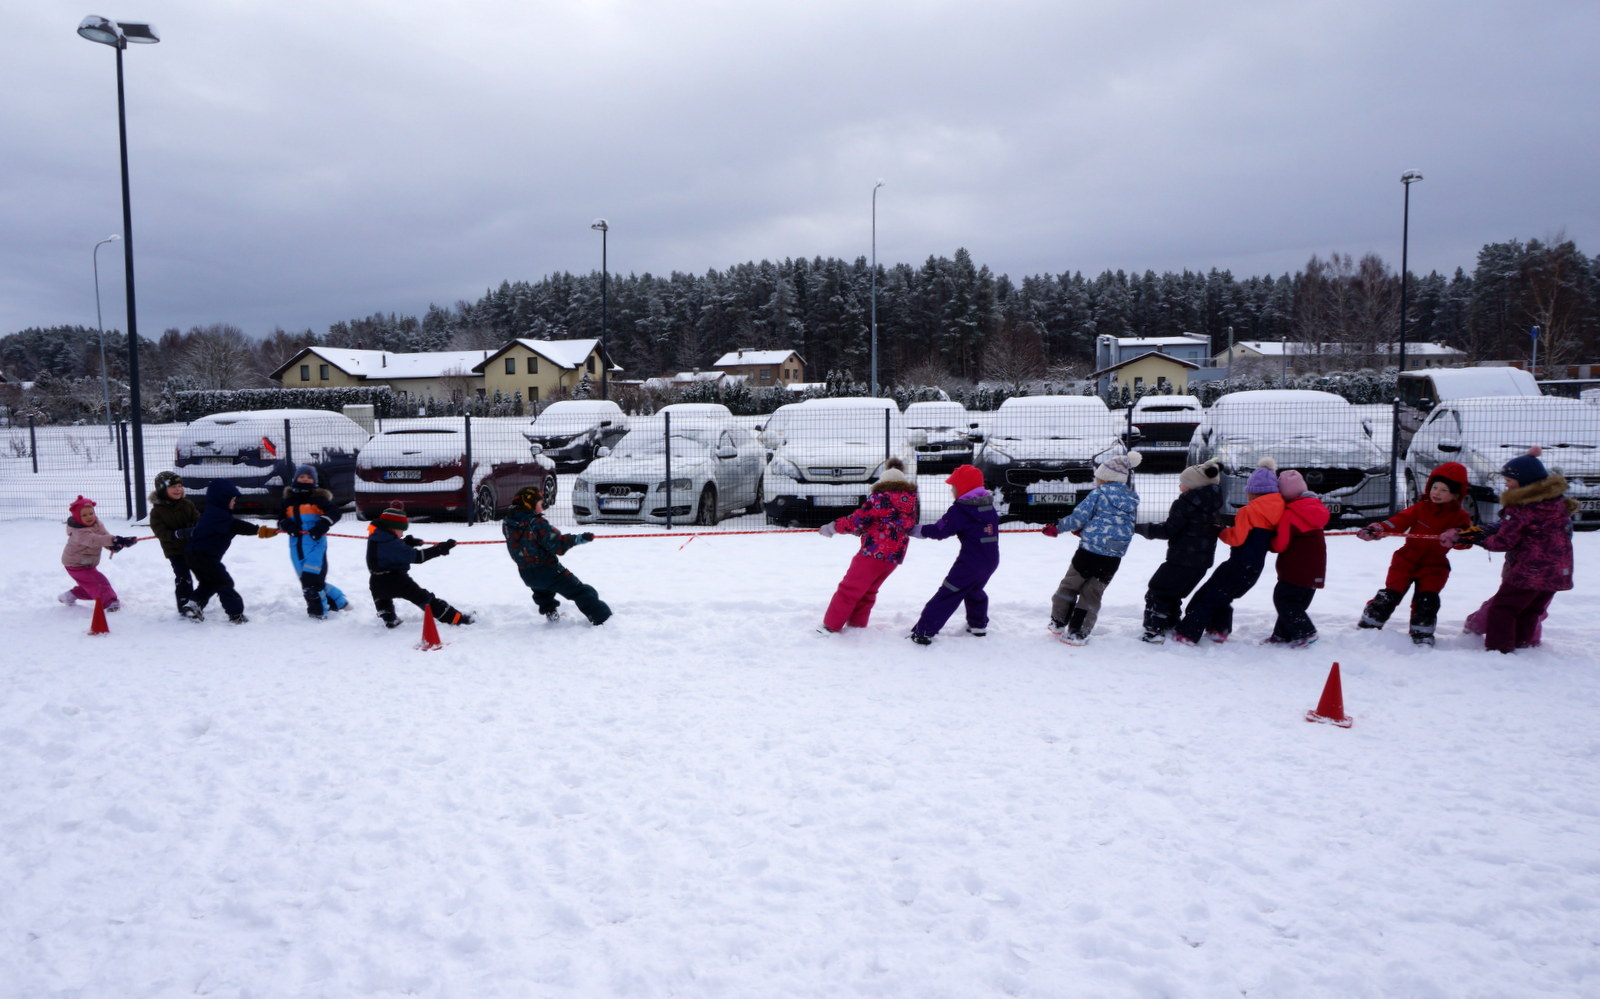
(713,469)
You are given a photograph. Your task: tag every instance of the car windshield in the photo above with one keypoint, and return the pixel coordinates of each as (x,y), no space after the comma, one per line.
(1052,424)
(644,442)
(1559,428)
(1289,422)
(835,426)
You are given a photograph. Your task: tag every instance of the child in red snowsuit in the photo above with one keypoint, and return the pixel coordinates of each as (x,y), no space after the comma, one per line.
(884,522)
(1420,561)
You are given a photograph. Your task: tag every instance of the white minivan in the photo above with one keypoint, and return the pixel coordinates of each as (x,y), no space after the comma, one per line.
(1420,391)
(827,453)
(259,450)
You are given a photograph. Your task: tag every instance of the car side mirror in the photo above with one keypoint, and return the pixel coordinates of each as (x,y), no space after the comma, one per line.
(727,451)
(1450,446)
(602,452)
(535,449)
(1133,437)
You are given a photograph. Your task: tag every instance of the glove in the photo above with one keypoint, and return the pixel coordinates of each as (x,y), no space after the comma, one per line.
(445,547)
(289,525)
(827,530)
(266,532)
(320,528)
(183,533)
(118,543)
(1371,532)
(413,542)
(1473,536)
(1143,530)
(1050,530)
(584,538)
(916,532)
(1449,537)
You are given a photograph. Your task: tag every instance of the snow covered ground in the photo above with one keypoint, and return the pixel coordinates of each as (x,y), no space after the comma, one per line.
(704,798)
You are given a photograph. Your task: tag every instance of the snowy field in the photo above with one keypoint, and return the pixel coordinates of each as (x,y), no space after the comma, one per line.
(704,798)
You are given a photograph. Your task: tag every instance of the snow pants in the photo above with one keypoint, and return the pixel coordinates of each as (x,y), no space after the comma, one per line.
(387,586)
(550,581)
(1163,598)
(1512,621)
(309,556)
(182,581)
(964,585)
(1292,602)
(858,591)
(1076,602)
(90,583)
(1211,608)
(212,580)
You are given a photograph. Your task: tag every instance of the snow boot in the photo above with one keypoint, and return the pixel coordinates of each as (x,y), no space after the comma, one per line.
(1376,613)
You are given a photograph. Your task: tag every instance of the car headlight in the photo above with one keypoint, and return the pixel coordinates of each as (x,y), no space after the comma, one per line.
(785,467)
(676,485)
(580,484)
(1377,470)
(995,456)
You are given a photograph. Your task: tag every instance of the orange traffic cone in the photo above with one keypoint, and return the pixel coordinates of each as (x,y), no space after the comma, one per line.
(98,625)
(430,633)
(1330,710)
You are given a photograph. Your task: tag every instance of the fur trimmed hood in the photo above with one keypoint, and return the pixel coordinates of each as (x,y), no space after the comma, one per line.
(897,483)
(1548,488)
(318,494)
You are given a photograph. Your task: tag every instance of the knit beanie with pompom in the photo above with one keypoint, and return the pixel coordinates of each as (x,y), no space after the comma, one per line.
(1196,476)
(1526,469)
(1264,479)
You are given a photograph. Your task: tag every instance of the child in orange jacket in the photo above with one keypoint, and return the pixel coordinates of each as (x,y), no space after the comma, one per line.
(1422,561)
(1210,610)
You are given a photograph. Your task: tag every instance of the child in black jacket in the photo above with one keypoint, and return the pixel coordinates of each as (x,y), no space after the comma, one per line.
(1190,532)
(390,556)
(206,544)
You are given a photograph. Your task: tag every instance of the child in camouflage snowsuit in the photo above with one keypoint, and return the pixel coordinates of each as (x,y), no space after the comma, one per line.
(536,547)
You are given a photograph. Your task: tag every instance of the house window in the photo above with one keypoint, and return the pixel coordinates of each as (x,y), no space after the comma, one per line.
(766,374)
(590,365)
(305,372)
(322,372)
(533,365)
(511,365)
(533,393)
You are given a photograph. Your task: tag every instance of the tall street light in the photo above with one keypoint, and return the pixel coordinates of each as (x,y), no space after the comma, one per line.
(604,227)
(1407,179)
(105,377)
(118,35)
(875,286)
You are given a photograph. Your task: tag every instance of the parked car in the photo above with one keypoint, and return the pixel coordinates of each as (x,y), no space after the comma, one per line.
(259,451)
(1420,391)
(696,410)
(948,428)
(1320,434)
(1039,453)
(715,471)
(1159,428)
(422,467)
(1483,434)
(826,453)
(570,432)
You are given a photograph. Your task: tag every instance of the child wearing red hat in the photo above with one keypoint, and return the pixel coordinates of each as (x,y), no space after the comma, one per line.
(390,555)
(973,519)
(1422,562)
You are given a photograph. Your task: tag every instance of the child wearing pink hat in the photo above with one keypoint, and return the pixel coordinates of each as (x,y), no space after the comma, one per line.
(87,537)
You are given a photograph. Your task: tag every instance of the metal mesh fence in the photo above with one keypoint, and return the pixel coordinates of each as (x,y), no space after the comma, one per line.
(698,468)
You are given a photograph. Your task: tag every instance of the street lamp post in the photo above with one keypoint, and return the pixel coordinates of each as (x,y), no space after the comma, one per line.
(875,286)
(118,35)
(604,227)
(1406,179)
(105,377)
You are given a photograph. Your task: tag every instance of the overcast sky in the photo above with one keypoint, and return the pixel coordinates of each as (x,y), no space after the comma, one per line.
(294,163)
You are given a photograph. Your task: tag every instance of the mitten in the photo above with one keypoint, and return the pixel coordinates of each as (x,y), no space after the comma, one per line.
(585,538)
(266,532)
(413,542)
(1473,535)
(289,525)
(1449,536)
(445,547)
(320,528)
(118,543)
(1050,530)
(916,532)
(827,530)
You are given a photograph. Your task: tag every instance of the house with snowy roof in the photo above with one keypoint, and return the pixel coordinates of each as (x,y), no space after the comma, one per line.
(1149,360)
(441,374)
(763,368)
(540,370)
(1296,356)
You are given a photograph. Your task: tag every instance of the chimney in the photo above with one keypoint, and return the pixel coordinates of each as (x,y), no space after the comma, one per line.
(385,359)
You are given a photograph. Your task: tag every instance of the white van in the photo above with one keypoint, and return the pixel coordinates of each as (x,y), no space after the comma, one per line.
(259,450)
(827,453)
(1420,391)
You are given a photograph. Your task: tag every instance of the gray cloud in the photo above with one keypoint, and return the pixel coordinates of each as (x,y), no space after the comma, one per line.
(295,166)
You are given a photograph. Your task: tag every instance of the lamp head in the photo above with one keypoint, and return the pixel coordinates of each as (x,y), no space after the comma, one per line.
(117,34)
(1410,177)
(600,224)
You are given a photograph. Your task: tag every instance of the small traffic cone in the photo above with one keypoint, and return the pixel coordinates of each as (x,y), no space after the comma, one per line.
(98,625)
(430,633)
(1330,710)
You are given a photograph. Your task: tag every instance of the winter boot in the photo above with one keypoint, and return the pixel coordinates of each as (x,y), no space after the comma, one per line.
(1424,616)
(920,639)
(1378,609)
(1055,627)
(553,616)
(192,611)
(1076,634)
(67,598)
(238,619)
(390,619)
(977,632)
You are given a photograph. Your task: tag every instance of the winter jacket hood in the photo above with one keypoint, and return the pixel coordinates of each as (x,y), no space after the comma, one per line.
(1547,488)
(1451,471)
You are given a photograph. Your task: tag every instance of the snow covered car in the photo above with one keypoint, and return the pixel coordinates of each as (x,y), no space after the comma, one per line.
(712,470)
(947,427)
(1039,453)
(826,453)
(572,431)
(421,466)
(1420,391)
(258,452)
(1159,428)
(1318,433)
(1483,434)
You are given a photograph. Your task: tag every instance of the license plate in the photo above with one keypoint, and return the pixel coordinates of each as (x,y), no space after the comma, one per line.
(1052,499)
(1334,509)
(1589,506)
(620,505)
(835,500)
(219,459)
(403,475)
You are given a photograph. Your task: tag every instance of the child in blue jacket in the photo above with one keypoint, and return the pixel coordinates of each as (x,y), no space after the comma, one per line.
(1105,520)
(308,514)
(971,518)
(391,553)
(207,542)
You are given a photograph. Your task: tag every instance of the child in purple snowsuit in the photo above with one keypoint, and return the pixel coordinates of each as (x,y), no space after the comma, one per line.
(884,522)
(971,518)
(1535,532)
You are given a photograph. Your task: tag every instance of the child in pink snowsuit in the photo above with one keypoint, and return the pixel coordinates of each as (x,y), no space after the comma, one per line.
(884,521)
(86,538)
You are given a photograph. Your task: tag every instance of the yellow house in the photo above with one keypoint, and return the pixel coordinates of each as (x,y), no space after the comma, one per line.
(441,374)
(537,371)
(764,368)
(1152,371)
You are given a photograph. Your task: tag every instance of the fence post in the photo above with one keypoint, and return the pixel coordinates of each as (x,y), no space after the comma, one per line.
(466,469)
(887,454)
(288,451)
(1394,456)
(666,424)
(33,445)
(122,462)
